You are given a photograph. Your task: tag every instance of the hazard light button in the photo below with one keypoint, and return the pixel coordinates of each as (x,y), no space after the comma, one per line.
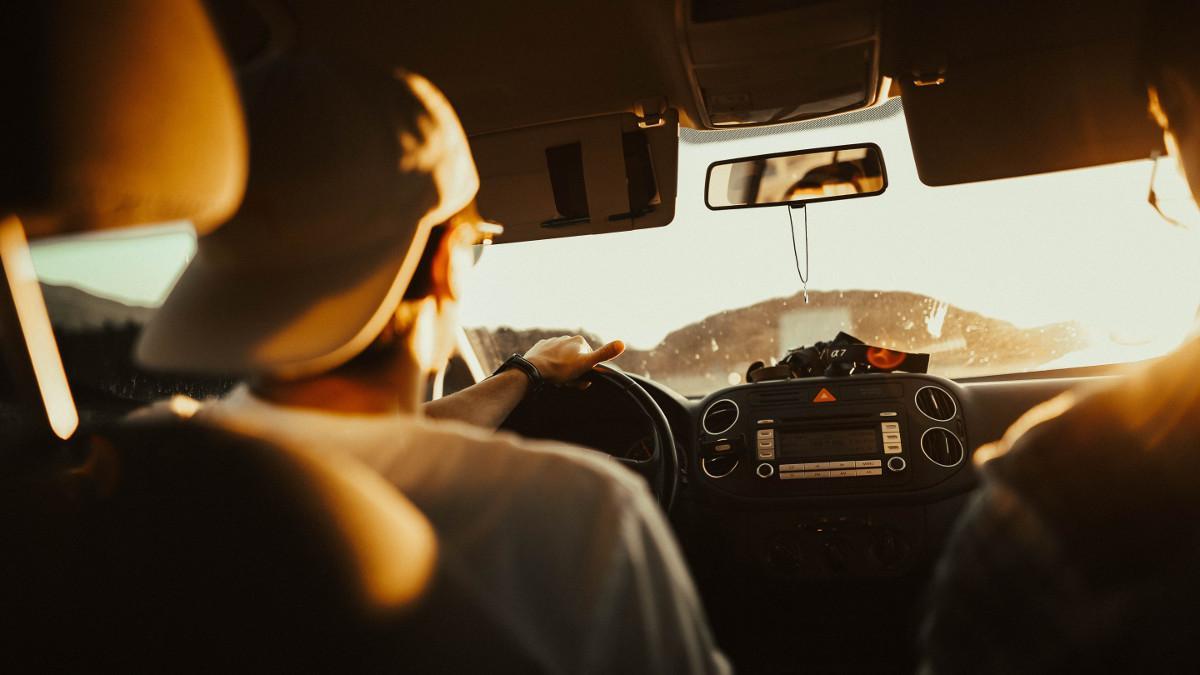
(823,396)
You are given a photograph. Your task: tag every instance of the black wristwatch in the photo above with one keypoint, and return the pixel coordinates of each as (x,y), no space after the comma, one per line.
(536,381)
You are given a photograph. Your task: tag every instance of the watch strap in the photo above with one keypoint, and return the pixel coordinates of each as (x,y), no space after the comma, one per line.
(518,362)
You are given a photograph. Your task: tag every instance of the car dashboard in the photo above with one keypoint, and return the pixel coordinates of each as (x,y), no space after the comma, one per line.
(876,439)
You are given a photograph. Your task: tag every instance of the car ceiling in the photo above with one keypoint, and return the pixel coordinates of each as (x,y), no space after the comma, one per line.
(503,65)
(1028,86)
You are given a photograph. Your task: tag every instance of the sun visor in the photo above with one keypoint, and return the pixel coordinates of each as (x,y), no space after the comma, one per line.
(1041,100)
(601,174)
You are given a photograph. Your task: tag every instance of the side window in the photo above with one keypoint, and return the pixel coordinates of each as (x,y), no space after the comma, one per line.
(100,290)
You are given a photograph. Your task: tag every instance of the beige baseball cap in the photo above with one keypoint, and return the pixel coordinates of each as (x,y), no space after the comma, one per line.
(349,170)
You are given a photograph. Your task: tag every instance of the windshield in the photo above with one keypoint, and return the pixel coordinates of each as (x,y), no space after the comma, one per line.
(1058,270)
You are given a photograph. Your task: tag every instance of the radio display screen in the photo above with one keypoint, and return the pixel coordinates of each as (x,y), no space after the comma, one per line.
(828,443)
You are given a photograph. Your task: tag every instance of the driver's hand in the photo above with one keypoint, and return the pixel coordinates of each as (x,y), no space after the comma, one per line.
(562,360)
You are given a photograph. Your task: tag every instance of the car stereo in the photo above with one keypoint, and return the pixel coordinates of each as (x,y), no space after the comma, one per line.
(830,435)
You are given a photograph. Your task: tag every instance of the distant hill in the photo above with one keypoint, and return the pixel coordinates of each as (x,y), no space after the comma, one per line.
(73,309)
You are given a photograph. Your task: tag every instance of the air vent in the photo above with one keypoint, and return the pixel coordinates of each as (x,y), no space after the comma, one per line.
(780,396)
(720,417)
(718,467)
(942,447)
(936,404)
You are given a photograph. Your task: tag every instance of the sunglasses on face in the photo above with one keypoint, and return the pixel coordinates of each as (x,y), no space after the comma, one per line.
(485,232)
(473,230)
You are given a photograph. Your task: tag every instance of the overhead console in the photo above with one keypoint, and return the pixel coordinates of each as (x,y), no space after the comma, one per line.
(767,62)
(798,438)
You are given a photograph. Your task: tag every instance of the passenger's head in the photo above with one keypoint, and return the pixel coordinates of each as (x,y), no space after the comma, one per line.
(1171,68)
(356,224)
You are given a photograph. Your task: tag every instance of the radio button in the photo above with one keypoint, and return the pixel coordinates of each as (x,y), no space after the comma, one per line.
(766,422)
(840,465)
(896,464)
(868,472)
(766,433)
(843,473)
(889,414)
(892,449)
(765,470)
(767,452)
(890,427)
(802,475)
(867,463)
(806,466)
(891,438)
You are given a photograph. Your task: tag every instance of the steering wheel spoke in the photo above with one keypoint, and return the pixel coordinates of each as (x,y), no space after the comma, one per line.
(660,468)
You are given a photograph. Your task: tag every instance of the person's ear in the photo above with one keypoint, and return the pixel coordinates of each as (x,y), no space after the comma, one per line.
(1175,101)
(423,333)
(451,265)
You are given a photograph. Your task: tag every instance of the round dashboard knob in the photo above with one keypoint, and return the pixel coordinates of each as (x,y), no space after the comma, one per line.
(896,464)
(765,470)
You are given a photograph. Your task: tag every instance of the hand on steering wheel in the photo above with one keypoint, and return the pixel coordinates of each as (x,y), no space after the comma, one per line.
(563,360)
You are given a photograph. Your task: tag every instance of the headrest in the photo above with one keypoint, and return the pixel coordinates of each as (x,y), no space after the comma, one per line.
(116,113)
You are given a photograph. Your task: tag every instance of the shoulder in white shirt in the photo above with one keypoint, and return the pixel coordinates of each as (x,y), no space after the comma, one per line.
(564,546)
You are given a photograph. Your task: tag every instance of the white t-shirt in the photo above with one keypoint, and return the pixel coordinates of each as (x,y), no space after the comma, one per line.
(565,547)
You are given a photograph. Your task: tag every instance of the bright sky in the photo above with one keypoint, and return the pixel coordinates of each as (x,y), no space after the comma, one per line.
(1080,245)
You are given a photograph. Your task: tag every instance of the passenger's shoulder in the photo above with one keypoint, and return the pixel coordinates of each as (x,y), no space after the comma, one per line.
(1150,404)
(1109,447)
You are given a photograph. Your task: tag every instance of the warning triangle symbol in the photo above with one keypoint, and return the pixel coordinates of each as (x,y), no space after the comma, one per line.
(823,396)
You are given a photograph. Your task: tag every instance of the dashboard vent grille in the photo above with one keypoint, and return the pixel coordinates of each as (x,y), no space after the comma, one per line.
(720,417)
(942,447)
(778,397)
(936,404)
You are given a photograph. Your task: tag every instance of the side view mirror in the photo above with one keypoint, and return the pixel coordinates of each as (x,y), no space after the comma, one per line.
(797,177)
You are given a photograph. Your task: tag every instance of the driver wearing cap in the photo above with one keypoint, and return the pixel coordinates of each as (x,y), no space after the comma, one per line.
(332,292)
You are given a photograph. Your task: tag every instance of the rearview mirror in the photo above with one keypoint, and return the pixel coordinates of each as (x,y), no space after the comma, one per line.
(798,177)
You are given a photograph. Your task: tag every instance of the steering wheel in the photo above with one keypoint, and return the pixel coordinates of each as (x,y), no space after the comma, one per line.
(660,467)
